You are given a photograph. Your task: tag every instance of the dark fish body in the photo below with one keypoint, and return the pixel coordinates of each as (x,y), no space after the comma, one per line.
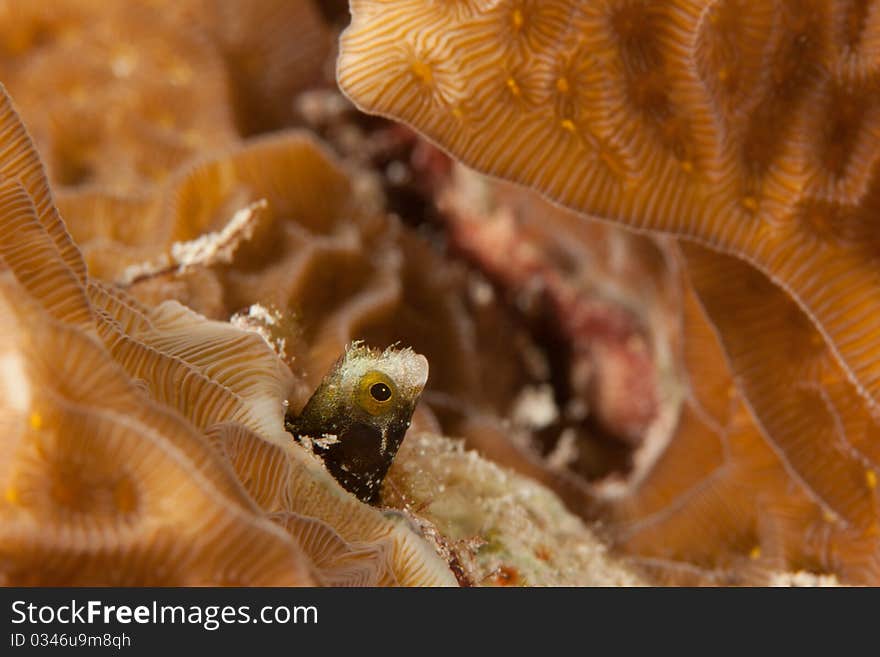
(357,418)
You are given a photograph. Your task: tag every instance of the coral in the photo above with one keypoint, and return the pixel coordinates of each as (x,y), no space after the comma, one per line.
(686,118)
(740,485)
(220,269)
(729,497)
(146,446)
(120,95)
(809,414)
(333,264)
(802,579)
(104,111)
(135,431)
(748,128)
(797,391)
(266,67)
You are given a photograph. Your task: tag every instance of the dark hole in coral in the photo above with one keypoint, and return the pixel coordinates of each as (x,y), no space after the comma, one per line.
(599,452)
(411,194)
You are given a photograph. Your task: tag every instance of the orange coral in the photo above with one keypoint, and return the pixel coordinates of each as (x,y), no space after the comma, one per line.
(742,485)
(266,65)
(147,446)
(685,117)
(758,480)
(121,95)
(107,111)
(747,127)
(78,510)
(324,257)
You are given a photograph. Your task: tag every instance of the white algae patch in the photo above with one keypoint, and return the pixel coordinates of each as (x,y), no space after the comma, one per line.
(502,528)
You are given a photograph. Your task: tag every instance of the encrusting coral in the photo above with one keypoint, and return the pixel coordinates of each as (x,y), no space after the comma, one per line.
(90,128)
(749,128)
(811,415)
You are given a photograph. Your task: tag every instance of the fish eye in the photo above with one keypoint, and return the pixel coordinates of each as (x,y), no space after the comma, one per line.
(380,392)
(375,392)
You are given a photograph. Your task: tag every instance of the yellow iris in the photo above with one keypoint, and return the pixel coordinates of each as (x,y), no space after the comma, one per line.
(376,392)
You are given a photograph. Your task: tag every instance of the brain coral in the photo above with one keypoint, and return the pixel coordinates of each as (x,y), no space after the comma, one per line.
(747,127)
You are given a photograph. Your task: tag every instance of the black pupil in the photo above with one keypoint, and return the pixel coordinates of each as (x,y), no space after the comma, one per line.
(380,392)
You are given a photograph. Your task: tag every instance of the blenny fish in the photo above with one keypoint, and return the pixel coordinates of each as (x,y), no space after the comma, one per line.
(358,416)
